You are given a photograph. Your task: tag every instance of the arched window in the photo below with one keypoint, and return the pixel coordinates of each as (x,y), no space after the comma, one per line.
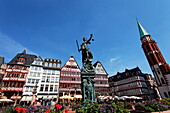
(165,94)
(54,65)
(50,65)
(58,65)
(46,64)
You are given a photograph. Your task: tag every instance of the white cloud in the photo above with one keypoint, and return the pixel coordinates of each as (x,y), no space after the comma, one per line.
(114,59)
(9,47)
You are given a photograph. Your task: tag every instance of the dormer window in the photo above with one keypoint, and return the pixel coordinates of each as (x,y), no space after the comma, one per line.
(46,64)
(54,65)
(21,60)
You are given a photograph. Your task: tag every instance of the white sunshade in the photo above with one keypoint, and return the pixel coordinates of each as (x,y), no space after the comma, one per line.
(125,97)
(66,97)
(135,97)
(26,98)
(78,96)
(6,100)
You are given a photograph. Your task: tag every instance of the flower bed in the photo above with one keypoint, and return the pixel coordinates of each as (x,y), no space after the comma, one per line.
(108,106)
(154,106)
(35,109)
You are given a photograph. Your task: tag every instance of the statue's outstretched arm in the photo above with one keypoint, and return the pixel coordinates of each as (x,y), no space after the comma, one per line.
(91,35)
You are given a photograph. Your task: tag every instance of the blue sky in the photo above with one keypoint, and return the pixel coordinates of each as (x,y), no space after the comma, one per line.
(49,28)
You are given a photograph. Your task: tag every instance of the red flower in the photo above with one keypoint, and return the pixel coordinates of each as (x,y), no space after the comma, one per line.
(18,109)
(132,104)
(23,110)
(58,106)
(34,105)
(66,110)
(47,111)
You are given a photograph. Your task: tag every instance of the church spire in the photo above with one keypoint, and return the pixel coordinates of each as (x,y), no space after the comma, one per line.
(142,31)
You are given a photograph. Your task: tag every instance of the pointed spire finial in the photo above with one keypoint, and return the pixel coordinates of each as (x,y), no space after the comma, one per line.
(24,52)
(142,31)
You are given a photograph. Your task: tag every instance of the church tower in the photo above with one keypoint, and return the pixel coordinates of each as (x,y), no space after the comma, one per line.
(159,67)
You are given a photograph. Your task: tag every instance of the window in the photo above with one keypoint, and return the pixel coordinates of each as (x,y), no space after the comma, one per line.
(43,78)
(53,72)
(33,80)
(12,84)
(48,79)
(51,87)
(36,81)
(15,75)
(29,80)
(8,75)
(36,68)
(45,71)
(46,64)
(52,79)
(50,64)
(49,72)
(21,60)
(58,65)
(34,75)
(22,76)
(54,65)
(10,67)
(55,88)
(31,73)
(26,89)
(46,87)
(31,89)
(56,80)
(16,67)
(42,87)
(32,68)
(21,85)
(38,74)
(37,63)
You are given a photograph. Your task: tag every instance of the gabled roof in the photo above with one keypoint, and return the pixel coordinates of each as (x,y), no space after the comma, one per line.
(67,63)
(95,65)
(38,58)
(29,58)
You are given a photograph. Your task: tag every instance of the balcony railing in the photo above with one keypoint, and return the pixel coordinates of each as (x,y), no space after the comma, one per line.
(69,89)
(62,81)
(17,70)
(130,87)
(13,79)
(101,85)
(11,89)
